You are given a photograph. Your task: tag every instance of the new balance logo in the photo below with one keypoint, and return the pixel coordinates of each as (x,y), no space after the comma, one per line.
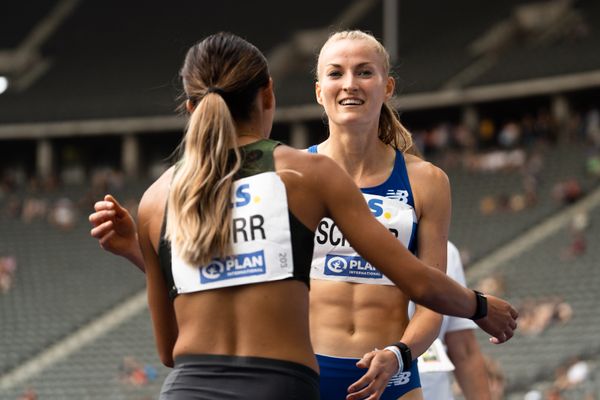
(401,195)
(400,379)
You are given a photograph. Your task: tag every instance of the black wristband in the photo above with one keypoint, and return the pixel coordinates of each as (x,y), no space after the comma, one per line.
(481,309)
(406,355)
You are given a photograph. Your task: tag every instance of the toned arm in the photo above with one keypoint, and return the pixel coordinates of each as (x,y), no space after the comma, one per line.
(425,285)
(431,190)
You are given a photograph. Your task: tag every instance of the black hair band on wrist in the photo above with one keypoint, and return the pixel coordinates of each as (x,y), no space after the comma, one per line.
(481,308)
(406,355)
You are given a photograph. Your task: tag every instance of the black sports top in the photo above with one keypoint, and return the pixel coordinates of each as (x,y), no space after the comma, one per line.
(267,244)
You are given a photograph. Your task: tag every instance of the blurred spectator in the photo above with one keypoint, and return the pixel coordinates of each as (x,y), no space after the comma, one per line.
(28,394)
(517,202)
(578,242)
(535,316)
(554,394)
(34,208)
(592,165)
(567,191)
(463,137)
(13,207)
(8,266)
(576,248)
(63,215)
(572,374)
(545,126)
(510,135)
(132,372)
(533,394)
(592,127)
(493,285)
(488,205)
(487,132)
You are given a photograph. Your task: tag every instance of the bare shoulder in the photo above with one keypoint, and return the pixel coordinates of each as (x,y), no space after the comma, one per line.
(425,173)
(155,197)
(311,167)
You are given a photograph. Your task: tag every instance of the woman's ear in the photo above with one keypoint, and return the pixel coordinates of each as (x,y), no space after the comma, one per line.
(390,87)
(318,93)
(189,106)
(268,96)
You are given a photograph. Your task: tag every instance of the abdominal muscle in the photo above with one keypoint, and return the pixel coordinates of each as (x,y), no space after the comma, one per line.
(350,319)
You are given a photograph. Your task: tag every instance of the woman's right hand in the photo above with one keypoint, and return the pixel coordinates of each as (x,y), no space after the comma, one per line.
(115,229)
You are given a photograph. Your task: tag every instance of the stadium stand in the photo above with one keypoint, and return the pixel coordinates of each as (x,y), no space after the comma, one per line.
(548,339)
(73,319)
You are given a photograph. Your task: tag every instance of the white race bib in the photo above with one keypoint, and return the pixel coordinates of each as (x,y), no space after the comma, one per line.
(335,259)
(435,359)
(260,237)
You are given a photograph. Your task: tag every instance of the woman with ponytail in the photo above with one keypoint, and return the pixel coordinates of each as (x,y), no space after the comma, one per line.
(228,263)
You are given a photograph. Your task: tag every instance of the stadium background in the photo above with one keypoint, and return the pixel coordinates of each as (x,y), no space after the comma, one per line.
(503,95)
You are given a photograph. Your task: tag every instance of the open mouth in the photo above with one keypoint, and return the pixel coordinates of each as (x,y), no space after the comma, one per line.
(351,102)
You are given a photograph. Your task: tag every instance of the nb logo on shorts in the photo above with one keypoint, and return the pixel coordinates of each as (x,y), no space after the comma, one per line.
(352,266)
(400,379)
(237,266)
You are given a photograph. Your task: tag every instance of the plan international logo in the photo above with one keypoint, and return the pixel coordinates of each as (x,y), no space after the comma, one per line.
(350,266)
(238,266)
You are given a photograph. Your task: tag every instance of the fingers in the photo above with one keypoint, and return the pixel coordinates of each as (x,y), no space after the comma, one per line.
(356,394)
(503,337)
(360,385)
(118,207)
(102,230)
(514,313)
(102,216)
(372,391)
(372,384)
(365,361)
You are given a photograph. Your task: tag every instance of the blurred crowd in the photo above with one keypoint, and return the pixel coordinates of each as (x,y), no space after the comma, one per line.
(31,199)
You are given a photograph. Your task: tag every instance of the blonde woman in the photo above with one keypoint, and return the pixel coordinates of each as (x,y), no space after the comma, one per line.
(357,308)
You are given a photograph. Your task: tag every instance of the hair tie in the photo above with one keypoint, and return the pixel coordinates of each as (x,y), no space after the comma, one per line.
(214,89)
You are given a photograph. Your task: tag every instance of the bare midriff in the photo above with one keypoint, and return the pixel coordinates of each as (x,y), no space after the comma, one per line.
(262,320)
(349,319)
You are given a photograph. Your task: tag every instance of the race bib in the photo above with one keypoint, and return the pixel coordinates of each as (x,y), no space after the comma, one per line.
(435,359)
(260,238)
(335,259)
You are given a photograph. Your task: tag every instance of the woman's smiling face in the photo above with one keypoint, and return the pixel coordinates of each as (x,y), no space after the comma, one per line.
(353,82)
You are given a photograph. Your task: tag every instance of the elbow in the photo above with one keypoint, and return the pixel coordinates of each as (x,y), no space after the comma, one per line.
(429,293)
(421,293)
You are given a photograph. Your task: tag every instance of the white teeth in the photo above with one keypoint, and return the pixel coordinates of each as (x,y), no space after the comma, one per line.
(351,102)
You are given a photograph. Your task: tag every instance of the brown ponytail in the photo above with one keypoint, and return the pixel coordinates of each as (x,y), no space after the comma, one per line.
(221,77)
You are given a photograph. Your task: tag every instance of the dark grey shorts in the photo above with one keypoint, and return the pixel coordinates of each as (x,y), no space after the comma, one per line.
(219,377)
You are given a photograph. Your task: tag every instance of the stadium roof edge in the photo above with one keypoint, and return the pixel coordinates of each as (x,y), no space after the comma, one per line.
(410,102)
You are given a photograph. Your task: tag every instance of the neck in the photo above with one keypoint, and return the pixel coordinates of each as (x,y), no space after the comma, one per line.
(360,152)
(249,132)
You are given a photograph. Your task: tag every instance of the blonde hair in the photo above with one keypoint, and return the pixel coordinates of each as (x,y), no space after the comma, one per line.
(391,130)
(221,78)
